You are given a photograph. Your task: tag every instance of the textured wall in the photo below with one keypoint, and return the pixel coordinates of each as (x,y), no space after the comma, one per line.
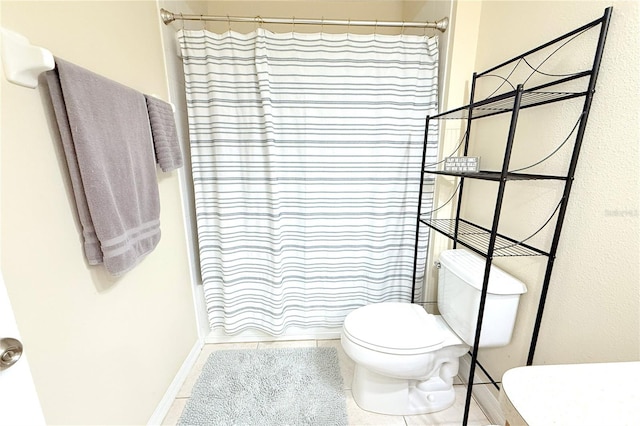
(592,312)
(387,10)
(102,350)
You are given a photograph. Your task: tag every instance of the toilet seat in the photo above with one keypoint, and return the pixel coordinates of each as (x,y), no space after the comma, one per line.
(394,328)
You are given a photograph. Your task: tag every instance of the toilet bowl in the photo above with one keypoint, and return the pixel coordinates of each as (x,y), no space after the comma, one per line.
(406,359)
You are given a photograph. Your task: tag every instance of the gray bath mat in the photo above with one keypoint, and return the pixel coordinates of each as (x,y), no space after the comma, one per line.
(268,387)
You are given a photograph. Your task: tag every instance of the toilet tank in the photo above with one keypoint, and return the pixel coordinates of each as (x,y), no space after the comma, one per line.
(459,288)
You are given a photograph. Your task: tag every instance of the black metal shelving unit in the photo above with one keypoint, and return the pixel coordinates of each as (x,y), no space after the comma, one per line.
(487,241)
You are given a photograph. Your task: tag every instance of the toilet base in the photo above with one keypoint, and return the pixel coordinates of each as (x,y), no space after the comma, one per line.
(400,397)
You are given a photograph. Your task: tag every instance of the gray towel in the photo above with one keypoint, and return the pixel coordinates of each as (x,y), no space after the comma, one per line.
(165,136)
(106,137)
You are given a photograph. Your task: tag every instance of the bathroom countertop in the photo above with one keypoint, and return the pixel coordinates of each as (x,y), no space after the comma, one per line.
(574,394)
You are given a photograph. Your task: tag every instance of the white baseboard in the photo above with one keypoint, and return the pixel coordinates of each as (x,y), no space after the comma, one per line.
(170,395)
(483,395)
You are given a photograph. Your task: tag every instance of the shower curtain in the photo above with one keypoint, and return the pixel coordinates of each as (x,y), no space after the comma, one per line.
(306,152)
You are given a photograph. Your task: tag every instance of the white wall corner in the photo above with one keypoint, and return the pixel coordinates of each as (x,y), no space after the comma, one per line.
(170,395)
(486,399)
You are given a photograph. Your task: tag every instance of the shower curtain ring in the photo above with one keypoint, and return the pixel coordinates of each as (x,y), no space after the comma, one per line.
(229,22)
(182,21)
(204,25)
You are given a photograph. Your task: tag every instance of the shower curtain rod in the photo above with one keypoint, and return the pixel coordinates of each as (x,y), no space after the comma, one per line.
(168,17)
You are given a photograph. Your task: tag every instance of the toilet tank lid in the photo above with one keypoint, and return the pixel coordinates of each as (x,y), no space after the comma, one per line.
(470,268)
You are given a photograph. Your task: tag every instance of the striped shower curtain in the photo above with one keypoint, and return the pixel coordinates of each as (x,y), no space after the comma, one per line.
(306,152)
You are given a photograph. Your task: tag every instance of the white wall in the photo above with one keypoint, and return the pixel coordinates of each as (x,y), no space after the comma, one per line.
(102,350)
(430,11)
(457,61)
(592,312)
(386,10)
(177,96)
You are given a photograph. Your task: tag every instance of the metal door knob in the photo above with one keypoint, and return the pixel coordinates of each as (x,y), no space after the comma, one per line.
(10,352)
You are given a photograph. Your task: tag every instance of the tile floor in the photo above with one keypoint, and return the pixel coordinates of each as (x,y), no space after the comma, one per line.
(357,416)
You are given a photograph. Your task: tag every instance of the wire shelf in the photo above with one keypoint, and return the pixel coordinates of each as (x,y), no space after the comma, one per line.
(504,103)
(496,176)
(477,238)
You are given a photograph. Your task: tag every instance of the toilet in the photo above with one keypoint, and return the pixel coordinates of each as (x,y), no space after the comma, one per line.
(406,359)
